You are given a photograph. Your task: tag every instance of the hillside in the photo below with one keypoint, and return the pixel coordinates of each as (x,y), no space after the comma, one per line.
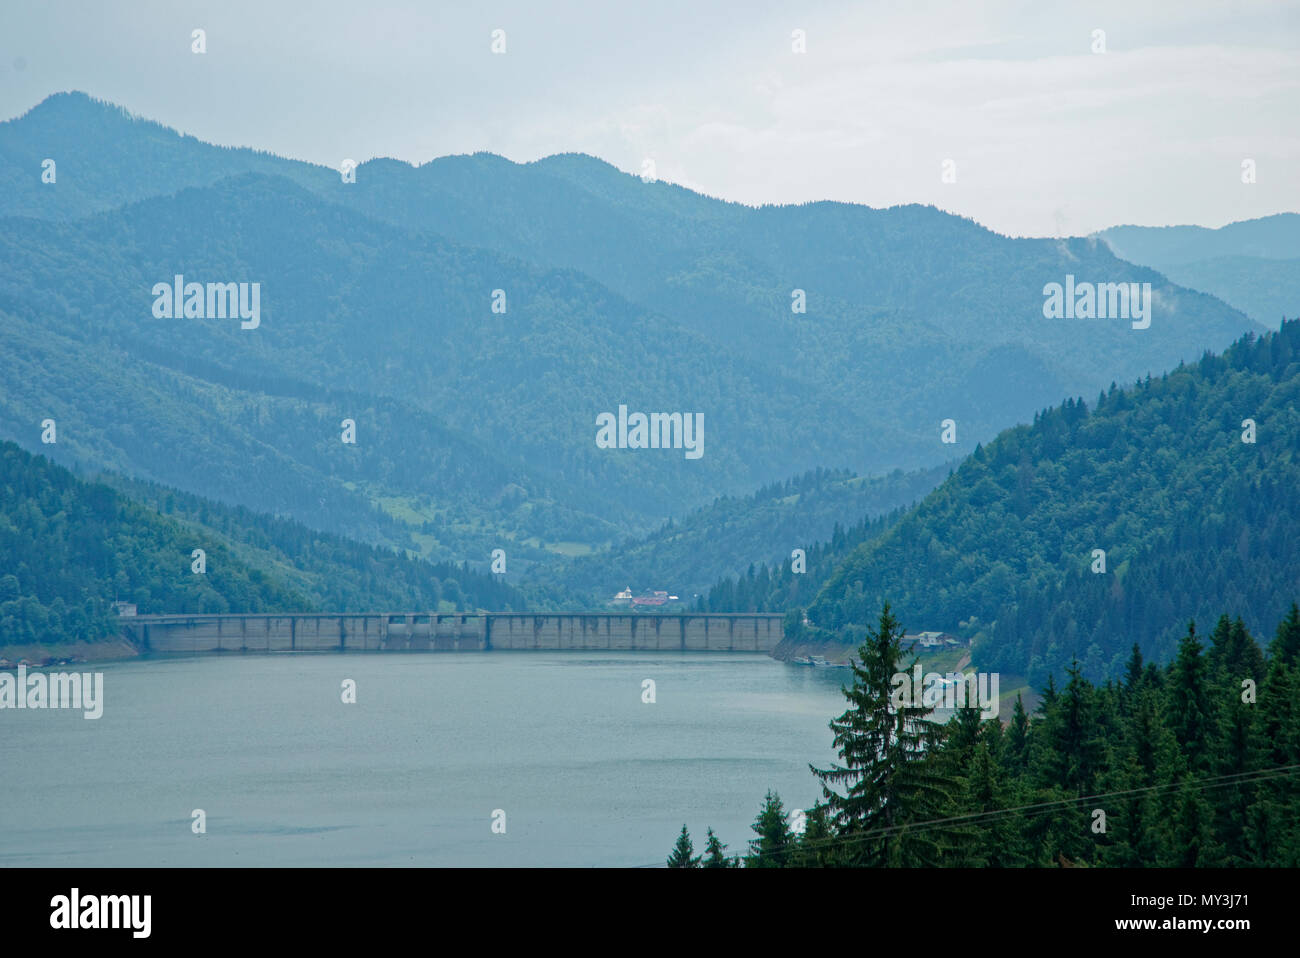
(105,157)
(334,573)
(377,296)
(1264,289)
(69,548)
(734,533)
(1253,265)
(390,330)
(1193,520)
(776,586)
(1269,237)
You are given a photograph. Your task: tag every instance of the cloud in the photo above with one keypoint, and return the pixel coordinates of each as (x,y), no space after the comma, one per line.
(1043,132)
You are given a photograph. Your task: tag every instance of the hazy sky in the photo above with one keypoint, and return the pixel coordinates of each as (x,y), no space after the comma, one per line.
(1046,135)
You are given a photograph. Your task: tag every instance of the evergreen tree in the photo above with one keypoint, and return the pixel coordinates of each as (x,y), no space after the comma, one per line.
(1219,639)
(1133,670)
(1146,762)
(1286,644)
(772,847)
(1237,753)
(1141,751)
(961,736)
(1191,841)
(992,840)
(1235,652)
(1069,749)
(1191,705)
(1247,660)
(683,854)
(1272,833)
(815,845)
(1048,697)
(1016,742)
(890,776)
(715,853)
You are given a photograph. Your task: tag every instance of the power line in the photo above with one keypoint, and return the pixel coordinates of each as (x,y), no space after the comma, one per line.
(1038,808)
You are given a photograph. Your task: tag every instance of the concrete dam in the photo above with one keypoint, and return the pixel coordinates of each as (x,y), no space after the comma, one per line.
(454,632)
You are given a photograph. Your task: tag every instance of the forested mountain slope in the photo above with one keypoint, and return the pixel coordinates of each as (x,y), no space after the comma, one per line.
(476,426)
(69,548)
(1253,265)
(738,533)
(937,299)
(1193,521)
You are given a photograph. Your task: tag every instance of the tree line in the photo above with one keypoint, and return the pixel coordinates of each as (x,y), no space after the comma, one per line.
(70,548)
(1191,764)
(1069,538)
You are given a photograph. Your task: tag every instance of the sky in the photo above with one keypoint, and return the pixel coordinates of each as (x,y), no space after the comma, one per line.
(1046,136)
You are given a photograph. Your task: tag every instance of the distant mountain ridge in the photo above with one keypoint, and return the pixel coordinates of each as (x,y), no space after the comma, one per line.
(476,428)
(1269,237)
(689,555)
(1254,264)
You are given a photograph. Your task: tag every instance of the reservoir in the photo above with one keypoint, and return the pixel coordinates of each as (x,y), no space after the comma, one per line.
(586,772)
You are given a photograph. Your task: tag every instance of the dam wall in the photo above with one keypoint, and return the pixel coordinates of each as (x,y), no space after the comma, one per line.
(454,632)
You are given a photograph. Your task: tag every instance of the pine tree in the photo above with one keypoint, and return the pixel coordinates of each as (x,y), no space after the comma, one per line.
(890,776)
(1069,751)
(1219,640)
(961,735)
(1286,644)
(1133,670)
(993,840)
(1191,841)
(1236,753)
(1124,813)
(1065,754)
(1016,743)
(772,847)
(814,847)
(1272,833)
(684,852)
(1235,652)
(1145,763)
(1048,697)
(715,853)
(1191,705)
(1248,659)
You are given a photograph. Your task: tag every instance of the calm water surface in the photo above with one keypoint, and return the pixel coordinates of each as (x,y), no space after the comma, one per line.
(586,773)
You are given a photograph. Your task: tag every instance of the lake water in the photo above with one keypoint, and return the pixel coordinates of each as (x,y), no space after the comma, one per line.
(586,773)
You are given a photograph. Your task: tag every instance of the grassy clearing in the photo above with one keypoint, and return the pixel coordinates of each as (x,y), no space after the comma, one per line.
(401,509)
(937,660)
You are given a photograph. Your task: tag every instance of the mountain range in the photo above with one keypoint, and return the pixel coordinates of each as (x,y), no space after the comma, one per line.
(1098,527)
(466,322)
(1253,265)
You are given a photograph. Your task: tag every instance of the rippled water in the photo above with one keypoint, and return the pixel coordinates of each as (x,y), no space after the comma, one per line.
(586,773)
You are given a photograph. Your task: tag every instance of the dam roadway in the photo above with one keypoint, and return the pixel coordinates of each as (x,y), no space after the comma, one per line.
(452,632)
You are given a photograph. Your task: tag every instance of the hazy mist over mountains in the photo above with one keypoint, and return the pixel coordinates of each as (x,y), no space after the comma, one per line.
(1254,266)
(377,305)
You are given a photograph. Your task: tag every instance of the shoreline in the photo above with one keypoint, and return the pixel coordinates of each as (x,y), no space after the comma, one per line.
(835,653)
(66,653)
